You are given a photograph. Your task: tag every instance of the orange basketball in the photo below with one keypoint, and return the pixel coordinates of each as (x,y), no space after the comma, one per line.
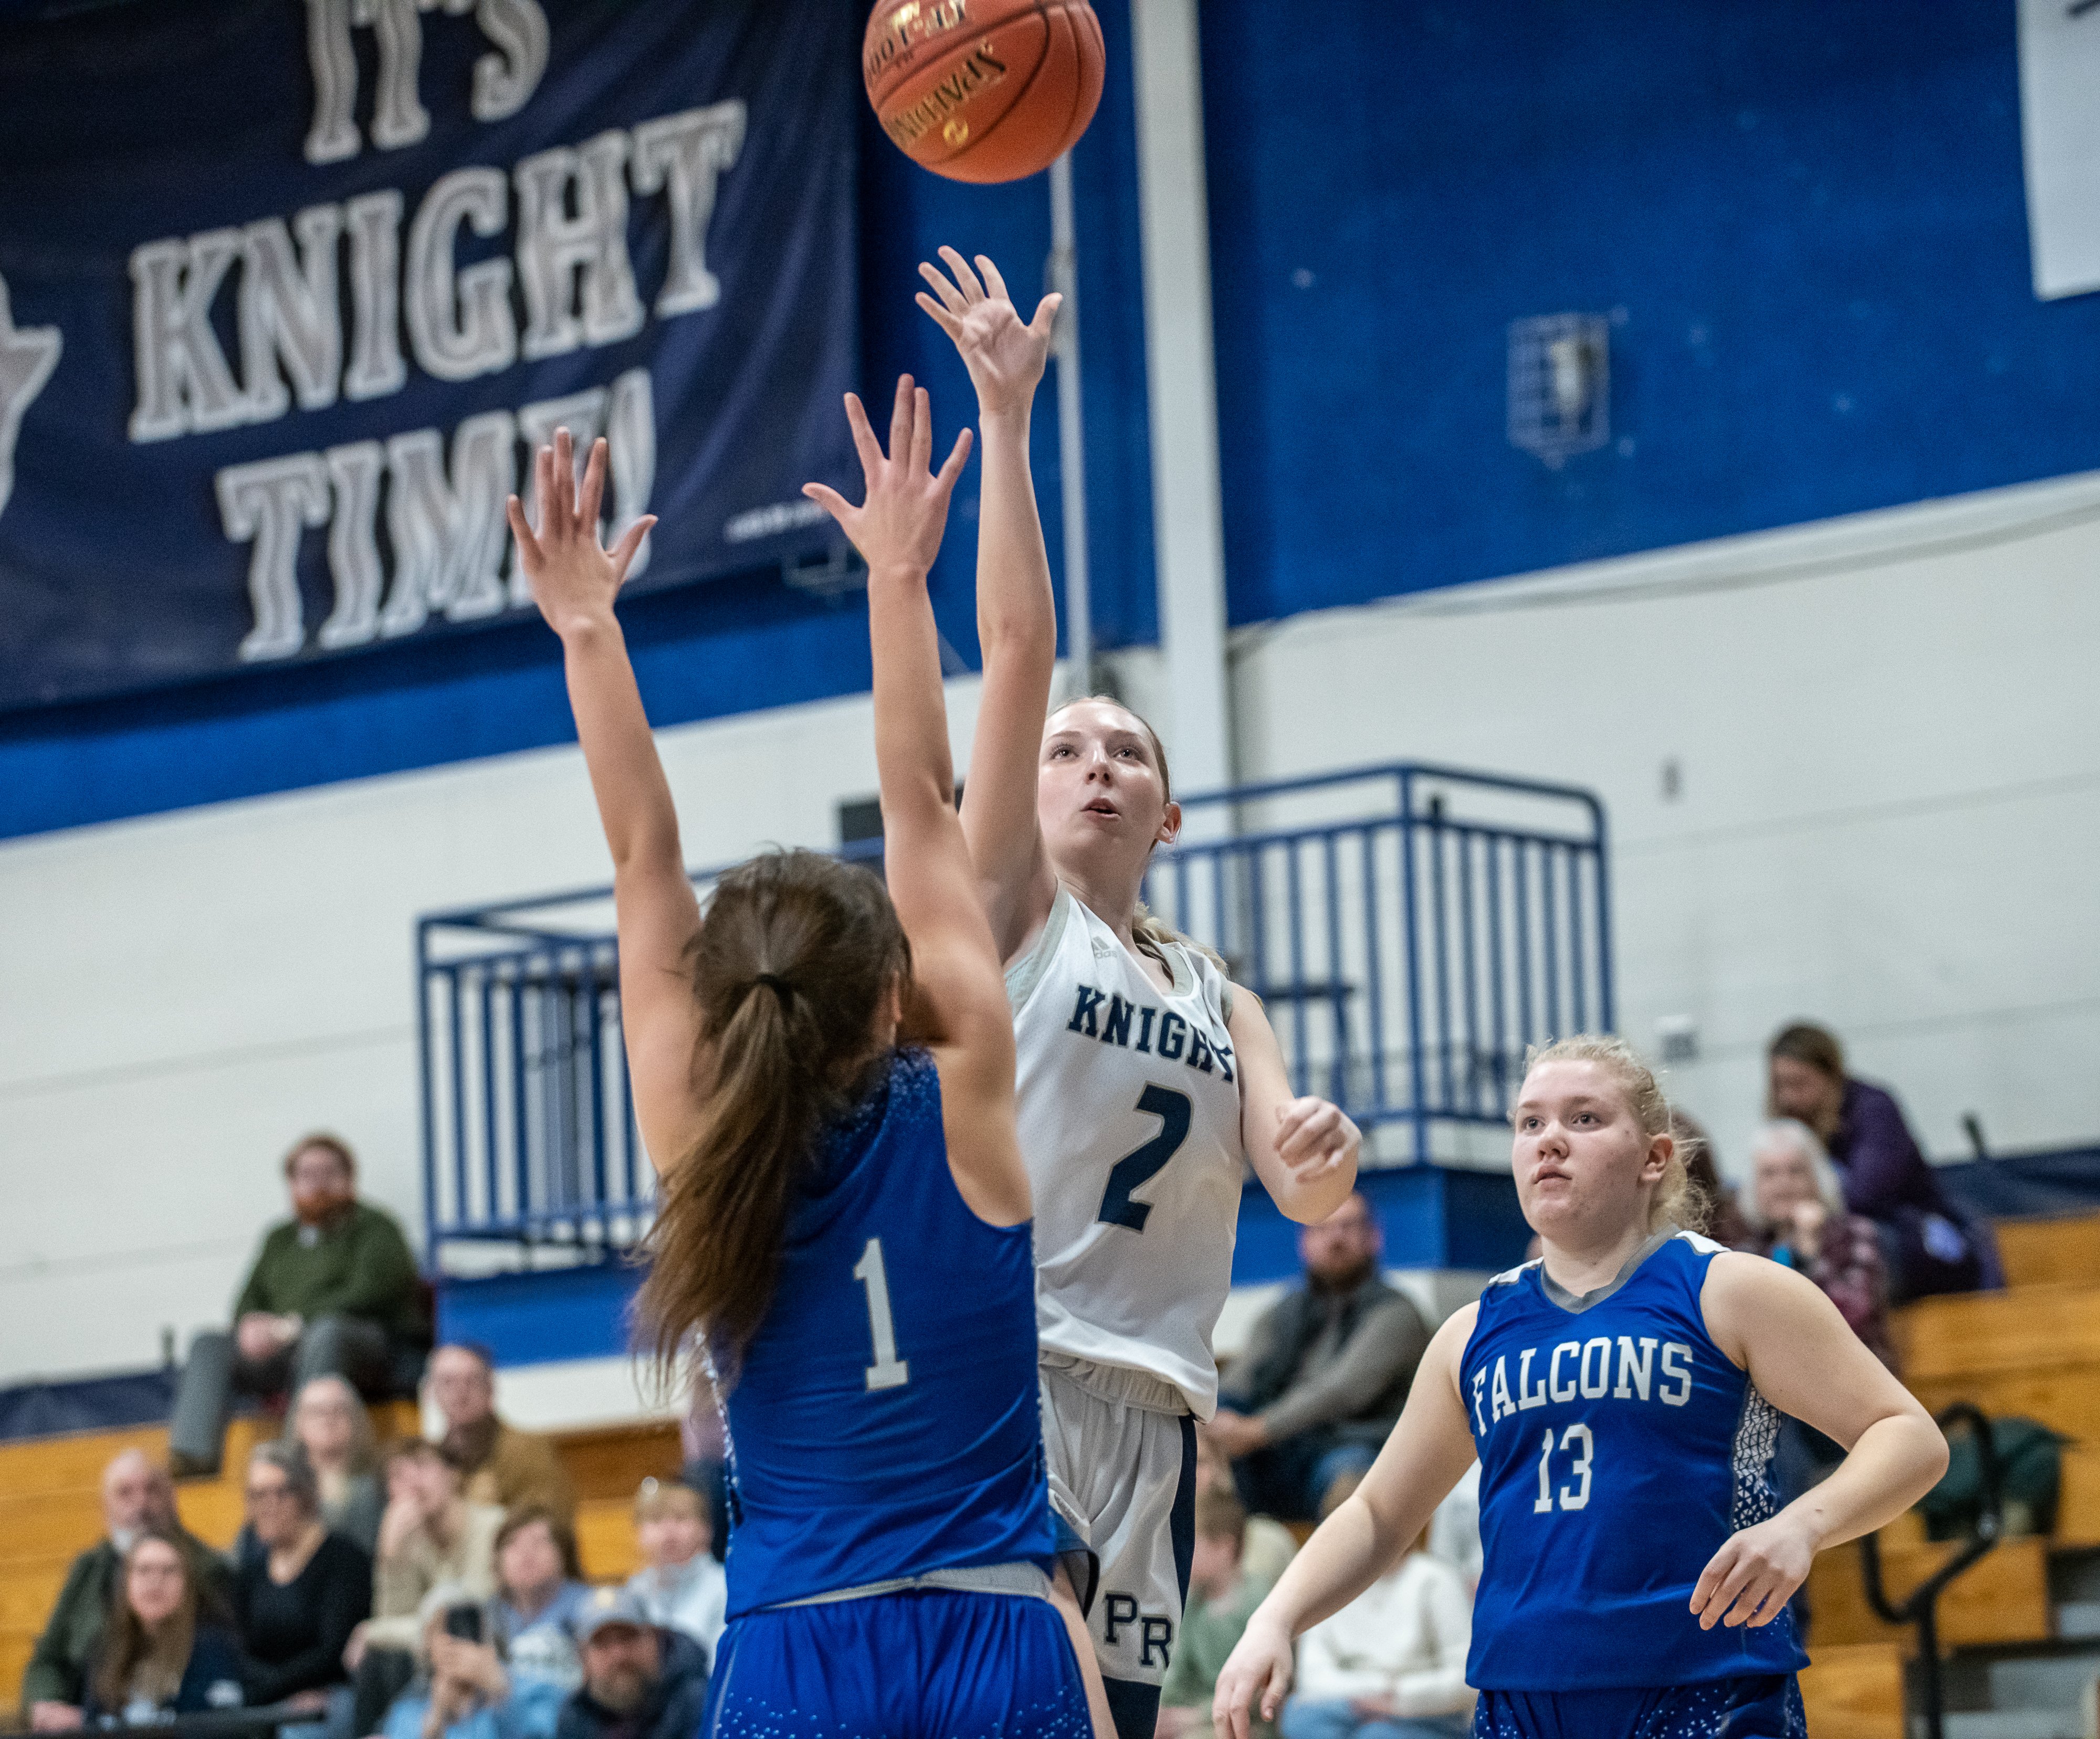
(984,89)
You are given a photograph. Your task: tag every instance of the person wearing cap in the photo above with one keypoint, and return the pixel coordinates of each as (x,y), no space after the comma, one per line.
(640,1681)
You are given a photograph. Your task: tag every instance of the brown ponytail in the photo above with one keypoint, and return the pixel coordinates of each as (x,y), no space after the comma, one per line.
(789,969)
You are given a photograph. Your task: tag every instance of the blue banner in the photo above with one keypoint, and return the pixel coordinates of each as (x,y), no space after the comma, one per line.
(290,289)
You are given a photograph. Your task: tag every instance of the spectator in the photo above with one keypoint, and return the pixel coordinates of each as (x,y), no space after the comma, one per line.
(1268,1545)
(159,1657)
(300,1591)
(334,1292)
(1324,1373)
(509,1468)
(327,1421)
(136,1497)
(1390,1665)
(429,1535)
(1927,1247)
(461,1691)
(1797,1217)
(540,1598)
(639,1682)
(682,1586)
(1222,1597)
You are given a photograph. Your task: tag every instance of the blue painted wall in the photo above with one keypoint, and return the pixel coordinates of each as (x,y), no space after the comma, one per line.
(1810,219)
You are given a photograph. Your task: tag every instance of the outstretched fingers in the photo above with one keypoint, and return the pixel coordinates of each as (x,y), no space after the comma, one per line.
(953,469)
(592,497)
(922,433)
(952,298)
(901,419)
(1046,315)
(529,546)
(629,545)
(993,282)
(966,281)
(863,435)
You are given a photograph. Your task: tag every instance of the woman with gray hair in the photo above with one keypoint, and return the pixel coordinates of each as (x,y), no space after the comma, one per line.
(299,1589)
(1796,1209)
(328,1422)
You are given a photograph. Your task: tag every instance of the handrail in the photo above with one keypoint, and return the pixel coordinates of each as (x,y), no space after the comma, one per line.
(1413,926)
(1921,1606)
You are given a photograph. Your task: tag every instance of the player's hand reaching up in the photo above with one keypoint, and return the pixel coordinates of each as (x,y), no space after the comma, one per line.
(1005,356)
(573,580)
(900,524)
(1315,1137)
(1255,1677)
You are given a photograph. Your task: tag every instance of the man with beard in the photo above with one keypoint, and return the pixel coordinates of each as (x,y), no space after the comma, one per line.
(136,1496)
(1304,1410)
(639,1682)
(334,1292)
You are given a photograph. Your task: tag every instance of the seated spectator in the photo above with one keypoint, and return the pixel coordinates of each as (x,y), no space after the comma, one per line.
(299,1590)
(1392,1664)
(461,1690)
(159,1657)
(639,1682)
(1325,1374)
(682,1587)
(539,1601)
(1797,1217)
(333,1292)
(1927,1246)
(136,1498)
(509,1469)
(1268,1546)
(1222,1597)
(429,1536)
(327,1421)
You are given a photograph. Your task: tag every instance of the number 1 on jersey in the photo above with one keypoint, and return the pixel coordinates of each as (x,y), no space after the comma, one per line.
(889,1371)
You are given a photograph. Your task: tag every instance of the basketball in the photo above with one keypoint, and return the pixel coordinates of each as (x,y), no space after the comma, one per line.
(984,89)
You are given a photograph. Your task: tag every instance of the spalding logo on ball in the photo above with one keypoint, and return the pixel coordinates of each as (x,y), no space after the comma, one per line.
(984,89)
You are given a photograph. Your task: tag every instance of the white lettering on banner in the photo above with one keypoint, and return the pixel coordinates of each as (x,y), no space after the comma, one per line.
(460,323)
(572,267)
(270,502)
(503,80)
(686,154)
(444,521)
(553,247)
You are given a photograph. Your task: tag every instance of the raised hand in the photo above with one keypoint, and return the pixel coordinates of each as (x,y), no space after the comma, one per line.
(1005,356)
(900,524)
(573,580)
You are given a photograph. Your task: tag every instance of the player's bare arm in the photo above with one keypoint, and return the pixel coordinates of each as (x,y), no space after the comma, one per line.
(574,582)
(1017,617)
(1805,1359)
(1303,1149)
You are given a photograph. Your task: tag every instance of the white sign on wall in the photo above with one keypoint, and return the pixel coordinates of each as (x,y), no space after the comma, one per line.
(2060,126)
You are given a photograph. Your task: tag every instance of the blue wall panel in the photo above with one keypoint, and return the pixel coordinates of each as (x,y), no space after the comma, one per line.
(1809,220)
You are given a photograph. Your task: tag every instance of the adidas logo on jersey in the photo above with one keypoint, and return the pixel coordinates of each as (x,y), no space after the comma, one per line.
(1136,1027)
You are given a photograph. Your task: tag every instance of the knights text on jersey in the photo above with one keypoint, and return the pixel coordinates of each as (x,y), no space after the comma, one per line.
(1619,1448)
(1129,1113)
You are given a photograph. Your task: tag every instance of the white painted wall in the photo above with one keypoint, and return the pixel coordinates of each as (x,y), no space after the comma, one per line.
(1890,736)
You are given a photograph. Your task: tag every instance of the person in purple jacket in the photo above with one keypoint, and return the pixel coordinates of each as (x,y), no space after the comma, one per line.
(1929,1246)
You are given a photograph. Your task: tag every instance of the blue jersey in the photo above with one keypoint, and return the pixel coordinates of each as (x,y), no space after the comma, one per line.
(1619,1448)
(885,1420)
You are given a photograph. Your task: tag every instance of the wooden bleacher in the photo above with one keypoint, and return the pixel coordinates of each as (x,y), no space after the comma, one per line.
(50,1508)
(2032,1350)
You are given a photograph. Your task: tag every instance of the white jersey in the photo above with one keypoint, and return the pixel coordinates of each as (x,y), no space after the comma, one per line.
(1128,1104)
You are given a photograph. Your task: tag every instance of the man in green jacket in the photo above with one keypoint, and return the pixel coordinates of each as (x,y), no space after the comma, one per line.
(135,1496)
(334,1292)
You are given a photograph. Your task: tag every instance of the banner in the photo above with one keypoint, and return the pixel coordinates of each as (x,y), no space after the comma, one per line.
(291,290)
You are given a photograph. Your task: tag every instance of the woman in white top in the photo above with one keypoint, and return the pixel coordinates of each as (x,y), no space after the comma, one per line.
(1147,1082)
(1392,1663)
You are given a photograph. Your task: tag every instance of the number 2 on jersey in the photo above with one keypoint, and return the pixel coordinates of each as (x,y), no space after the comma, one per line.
(1134,1170)
(889,1371)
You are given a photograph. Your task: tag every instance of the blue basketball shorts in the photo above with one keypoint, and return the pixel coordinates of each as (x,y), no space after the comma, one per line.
(1766,1706)
(931,1663)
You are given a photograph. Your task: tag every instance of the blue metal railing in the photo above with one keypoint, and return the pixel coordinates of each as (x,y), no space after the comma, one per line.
(1410,927)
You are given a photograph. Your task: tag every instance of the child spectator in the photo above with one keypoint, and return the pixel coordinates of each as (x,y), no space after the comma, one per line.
(1392,1664)
(683,1588)
(1268,1545)
(158,1659)
(461,1690)
(1222,1596)
(540,1602)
